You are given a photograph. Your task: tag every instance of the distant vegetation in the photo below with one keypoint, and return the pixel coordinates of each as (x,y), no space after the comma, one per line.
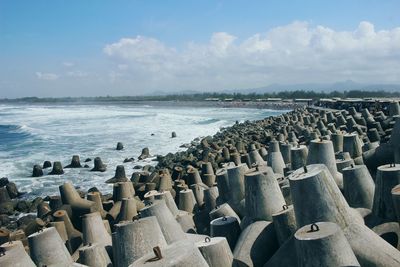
(215,96)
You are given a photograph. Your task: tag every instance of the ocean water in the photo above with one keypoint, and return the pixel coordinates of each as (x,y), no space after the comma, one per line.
(33,133)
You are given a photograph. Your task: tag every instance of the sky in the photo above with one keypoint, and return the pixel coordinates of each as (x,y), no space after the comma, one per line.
(60,48)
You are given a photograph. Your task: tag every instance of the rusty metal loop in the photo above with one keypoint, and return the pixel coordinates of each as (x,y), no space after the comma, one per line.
(285,207)
(314,228)
(207,239)
(224,218)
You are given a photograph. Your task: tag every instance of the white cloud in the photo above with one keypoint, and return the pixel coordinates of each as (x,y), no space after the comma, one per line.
(294,53)
(78,74)
(68,64)
(47,76)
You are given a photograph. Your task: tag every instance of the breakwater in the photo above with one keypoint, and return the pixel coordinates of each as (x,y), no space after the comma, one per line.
(311,187)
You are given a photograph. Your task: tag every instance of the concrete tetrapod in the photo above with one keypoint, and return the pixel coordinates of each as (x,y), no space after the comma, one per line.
(396,200)
(316,197)
(223,210)
(370,249)
(263,197)
(284,223)
(74,236)
(14,255)
(169,201)
(48,249)
(387,177)
(358,186)
(94,231)
(256,245)
(298,156)
(216,251)
(227,227)
(321,152)
(179,254)
(236,184)
(128,210)
(323,244)
(94,255)
(223,185)
(170,228)
(187,201)
(352,144)
(135,239)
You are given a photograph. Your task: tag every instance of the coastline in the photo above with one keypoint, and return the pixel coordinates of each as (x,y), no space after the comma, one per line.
(224,176)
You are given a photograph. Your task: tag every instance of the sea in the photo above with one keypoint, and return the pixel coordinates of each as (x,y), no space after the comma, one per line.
(33,133)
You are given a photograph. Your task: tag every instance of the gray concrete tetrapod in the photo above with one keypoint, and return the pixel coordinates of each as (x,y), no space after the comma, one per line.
(284,223)
(122,190)
(256,245)
(197,192)
(396,200)
(135,239)
(255,158)
(370,249)
(352,144)
(170,228)
(321,152)
(227,227)
(94,255)
(94,231)
(185,220)
(74,236)
(210,198)
(358,186)
(298,156)
(285,256)
(236,184)
(263,196)
(48,249)
(15,255)
(316,197)
(387,177)
(286,152)
(223,185)
(169,201)
(128,210)
(223,210)
(216,251)
(187,201)
(323,244)
(275,160)
(179,254)
(337,141)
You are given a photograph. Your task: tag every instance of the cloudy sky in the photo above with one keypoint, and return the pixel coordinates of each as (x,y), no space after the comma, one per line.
(92,48)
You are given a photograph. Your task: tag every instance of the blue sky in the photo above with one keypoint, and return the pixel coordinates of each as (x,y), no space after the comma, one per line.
(75,48)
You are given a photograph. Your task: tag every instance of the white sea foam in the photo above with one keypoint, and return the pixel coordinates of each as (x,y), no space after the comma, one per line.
(56,132)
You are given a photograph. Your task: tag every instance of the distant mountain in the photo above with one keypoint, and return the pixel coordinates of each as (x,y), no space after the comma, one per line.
(325,87)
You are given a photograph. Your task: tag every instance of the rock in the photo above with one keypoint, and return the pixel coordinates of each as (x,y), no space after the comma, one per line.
(37,171)
(25,220)
(3,181)
(12,190)
(23,206)
(35,203)
(57,169)
(120,146)
(88,160)
(129,160)
(93,189)
(46,164)
(7,208)
(86,166)
(173,134)
(4,220)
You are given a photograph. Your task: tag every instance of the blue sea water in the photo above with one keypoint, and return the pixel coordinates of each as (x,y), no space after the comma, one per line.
(33,133)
